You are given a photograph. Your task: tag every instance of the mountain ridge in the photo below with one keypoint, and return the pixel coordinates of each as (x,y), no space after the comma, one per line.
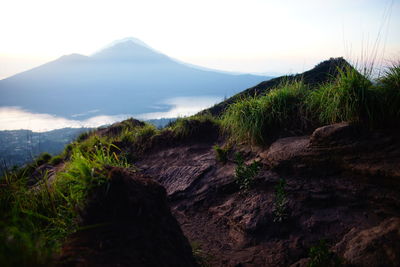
(127,78)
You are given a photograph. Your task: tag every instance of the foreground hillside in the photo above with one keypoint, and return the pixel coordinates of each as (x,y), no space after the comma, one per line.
(303,174)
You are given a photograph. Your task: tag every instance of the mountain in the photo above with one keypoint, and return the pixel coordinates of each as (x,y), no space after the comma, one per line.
(21,146)
(127,77)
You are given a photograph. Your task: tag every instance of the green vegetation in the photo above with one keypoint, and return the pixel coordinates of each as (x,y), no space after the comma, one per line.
(295,108)
(254,118)
(280,205)
(245,173)
(348,98)
(56,160)
(188,126)
(202,258)
(137,135)
(221,153)
(35,220)
(43,158)
(388,92)
(320,256)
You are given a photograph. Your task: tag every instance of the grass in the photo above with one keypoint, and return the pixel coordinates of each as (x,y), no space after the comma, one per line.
(202,258)
(34,221)
(254,118)
(56,160)
(388,91)
(189,126)
(43,158)
(348,98)
(320,256)
(137,135)
(280,212)
(293,108)
(245,173)
(221,154)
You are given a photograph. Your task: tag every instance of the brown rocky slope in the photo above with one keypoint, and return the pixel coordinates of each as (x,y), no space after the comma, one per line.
(342,185)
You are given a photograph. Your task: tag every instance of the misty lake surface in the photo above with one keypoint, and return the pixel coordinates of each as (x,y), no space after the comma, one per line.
(16,118)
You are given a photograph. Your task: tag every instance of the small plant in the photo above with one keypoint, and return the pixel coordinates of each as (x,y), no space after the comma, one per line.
(43,158)
(280,205)
(221,153)
(201,257)
(188,126)
(244,174)
(320,256)
(56,160)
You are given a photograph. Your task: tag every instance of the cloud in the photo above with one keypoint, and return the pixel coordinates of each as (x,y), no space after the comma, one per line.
(16,118)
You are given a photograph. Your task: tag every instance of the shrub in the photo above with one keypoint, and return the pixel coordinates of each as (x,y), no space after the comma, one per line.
(137,135)
(280,204)
(388,91)
(244,174)
(320,256)
(254,118)
(56,160)
(43,158)
(348,98)
(221,153)
(83,136)
(202,258)
(188,126)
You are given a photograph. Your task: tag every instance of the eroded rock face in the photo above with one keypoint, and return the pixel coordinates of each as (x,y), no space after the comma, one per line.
(336,180)
(336,148)
(334,134)
(375,246)
(129,224)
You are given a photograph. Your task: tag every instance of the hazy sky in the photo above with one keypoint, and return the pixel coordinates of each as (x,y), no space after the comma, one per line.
(246,36)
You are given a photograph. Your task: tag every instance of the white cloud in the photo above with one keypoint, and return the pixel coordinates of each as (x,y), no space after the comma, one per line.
(15,118)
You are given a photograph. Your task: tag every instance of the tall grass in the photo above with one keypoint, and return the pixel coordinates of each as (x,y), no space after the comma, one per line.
(35,220)
(293,107)
(388,91)
(188,126)
(348,98)
(255,118)
(137,135)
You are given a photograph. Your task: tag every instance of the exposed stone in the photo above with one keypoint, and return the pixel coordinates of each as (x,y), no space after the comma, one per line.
(375,246)
(334,134)
(128,223)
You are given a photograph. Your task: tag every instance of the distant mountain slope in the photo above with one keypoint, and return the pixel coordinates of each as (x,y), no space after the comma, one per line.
(321,73)
(126,78)
(21,146)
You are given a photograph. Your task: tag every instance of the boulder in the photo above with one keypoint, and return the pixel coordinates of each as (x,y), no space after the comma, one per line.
(376,246)
(127,223)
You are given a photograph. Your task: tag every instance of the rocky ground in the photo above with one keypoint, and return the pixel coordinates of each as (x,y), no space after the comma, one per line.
(342,185)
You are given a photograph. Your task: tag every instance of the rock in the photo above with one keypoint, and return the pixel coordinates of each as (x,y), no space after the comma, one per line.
(329,190)
(128,223)
(334,134)
(286,149)
(376,246)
